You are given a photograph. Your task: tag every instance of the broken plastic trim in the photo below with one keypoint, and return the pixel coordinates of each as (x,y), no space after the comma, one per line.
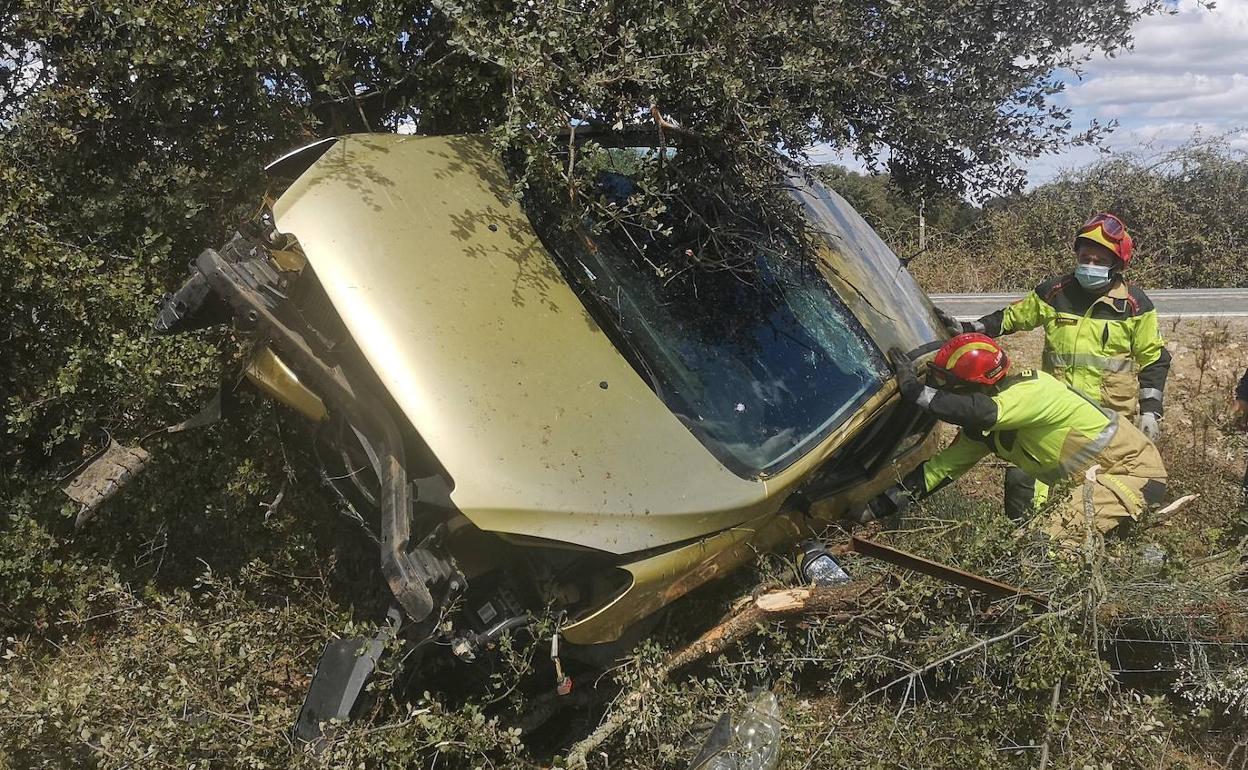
(749,739)
(299,160)
(345,667)
(402,569)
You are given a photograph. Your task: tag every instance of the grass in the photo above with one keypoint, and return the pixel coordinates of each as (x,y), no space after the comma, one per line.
(192,645)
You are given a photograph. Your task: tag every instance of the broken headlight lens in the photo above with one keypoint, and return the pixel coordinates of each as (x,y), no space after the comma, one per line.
(819,567)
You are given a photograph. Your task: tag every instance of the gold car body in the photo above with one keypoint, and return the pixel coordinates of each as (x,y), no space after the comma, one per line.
(545,429)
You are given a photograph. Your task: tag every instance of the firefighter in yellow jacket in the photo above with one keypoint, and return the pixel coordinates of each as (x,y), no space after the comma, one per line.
(1101,337)
(1036,422)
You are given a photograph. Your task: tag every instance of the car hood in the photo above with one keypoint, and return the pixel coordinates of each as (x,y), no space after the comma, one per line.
(545,429)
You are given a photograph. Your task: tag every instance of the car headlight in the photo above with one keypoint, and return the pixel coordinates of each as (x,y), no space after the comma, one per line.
(818,566)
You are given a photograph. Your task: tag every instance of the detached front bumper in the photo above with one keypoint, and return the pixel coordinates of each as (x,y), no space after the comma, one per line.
(253,288)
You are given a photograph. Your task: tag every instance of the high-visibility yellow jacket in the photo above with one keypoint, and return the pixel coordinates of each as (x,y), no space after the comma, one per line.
(1042,426)
(1108,347)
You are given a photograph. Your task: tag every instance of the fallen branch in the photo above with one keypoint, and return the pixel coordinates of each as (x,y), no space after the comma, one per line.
(962,653)
(1048,730)
(1225,619)
(837,601)
(1165,514)
(911,677)
(769,606)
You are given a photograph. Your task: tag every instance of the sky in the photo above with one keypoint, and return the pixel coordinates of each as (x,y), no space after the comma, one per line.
(1187,74)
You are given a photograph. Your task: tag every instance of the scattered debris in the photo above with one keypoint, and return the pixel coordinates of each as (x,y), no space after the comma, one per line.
(340,680)
(102,479)
(836,601)
(748,740)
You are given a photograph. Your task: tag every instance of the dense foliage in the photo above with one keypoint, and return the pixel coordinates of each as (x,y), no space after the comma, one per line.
(179,627)
(133,132)
(1181,205)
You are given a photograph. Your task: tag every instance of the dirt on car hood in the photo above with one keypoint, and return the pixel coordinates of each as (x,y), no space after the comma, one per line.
(546,430)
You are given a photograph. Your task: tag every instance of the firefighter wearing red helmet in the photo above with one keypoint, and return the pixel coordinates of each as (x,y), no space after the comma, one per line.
(1101,337)
(1034,421)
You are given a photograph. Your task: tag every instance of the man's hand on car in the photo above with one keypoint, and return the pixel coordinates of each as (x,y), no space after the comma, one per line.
(907,380)
(953,325)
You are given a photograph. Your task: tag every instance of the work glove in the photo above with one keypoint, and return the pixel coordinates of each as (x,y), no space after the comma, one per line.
(891,502)
(953,325)
(1149,424)
(907,381)
(1239,414)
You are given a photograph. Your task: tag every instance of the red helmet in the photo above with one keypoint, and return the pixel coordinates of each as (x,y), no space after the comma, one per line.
(1109,231)
(971,358)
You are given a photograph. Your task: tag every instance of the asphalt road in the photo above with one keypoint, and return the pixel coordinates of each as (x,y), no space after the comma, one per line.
(1171,303)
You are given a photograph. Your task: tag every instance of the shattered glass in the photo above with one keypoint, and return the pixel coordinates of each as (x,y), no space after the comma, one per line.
(759,363)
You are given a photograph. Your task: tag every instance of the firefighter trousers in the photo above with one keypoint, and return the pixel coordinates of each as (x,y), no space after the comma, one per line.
(1115,499)
(1024,493)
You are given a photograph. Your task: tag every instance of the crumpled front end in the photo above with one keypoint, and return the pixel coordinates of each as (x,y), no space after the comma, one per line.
(251,277)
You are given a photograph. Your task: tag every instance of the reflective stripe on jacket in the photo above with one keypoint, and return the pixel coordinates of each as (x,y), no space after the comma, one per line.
(1108,347)
(1043,427)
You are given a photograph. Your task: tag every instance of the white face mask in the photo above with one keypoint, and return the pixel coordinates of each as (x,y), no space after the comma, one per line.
(1092,277)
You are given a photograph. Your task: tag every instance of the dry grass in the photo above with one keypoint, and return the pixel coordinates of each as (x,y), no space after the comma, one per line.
(1147,659)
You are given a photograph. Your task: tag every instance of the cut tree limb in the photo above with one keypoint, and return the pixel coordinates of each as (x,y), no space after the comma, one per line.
(1165,514)
(1048,730)
(768,606)
(838,601)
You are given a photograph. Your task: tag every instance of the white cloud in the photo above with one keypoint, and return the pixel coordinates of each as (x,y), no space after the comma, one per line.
(1117,90)
(824,154)
(1229,101)
(1192,39)
(1192,95)
(1191,64)
(1186,75)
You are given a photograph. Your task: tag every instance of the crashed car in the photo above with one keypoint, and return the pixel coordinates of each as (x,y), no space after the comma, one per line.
(536,423)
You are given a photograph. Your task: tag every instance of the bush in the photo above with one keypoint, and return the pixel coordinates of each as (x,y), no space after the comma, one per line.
(211,676)
(1183,209)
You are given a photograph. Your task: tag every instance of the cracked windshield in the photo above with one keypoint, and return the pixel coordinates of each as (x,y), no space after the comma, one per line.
(759,361)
